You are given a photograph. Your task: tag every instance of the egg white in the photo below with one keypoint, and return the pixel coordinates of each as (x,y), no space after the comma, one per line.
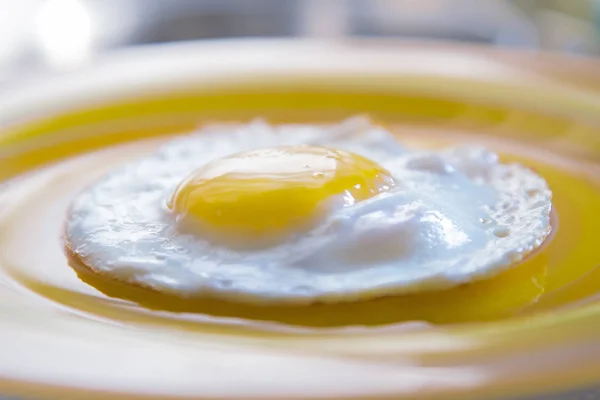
(456,216)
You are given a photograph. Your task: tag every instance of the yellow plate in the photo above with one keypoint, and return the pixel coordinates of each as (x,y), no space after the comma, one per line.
(60,337)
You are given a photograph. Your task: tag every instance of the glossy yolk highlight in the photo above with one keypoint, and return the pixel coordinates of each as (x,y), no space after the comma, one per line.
(270,193)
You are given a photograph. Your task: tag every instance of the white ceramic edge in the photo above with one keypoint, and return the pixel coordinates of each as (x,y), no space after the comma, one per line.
(152,69)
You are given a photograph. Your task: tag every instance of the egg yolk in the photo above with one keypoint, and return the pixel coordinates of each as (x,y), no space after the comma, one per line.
(274,191)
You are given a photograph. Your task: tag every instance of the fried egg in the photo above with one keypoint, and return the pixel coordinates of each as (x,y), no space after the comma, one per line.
(307,213)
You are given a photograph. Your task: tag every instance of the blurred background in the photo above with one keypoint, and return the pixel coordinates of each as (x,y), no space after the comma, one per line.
(61,35)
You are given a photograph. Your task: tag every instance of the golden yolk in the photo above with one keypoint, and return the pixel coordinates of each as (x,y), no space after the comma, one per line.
(270,192)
